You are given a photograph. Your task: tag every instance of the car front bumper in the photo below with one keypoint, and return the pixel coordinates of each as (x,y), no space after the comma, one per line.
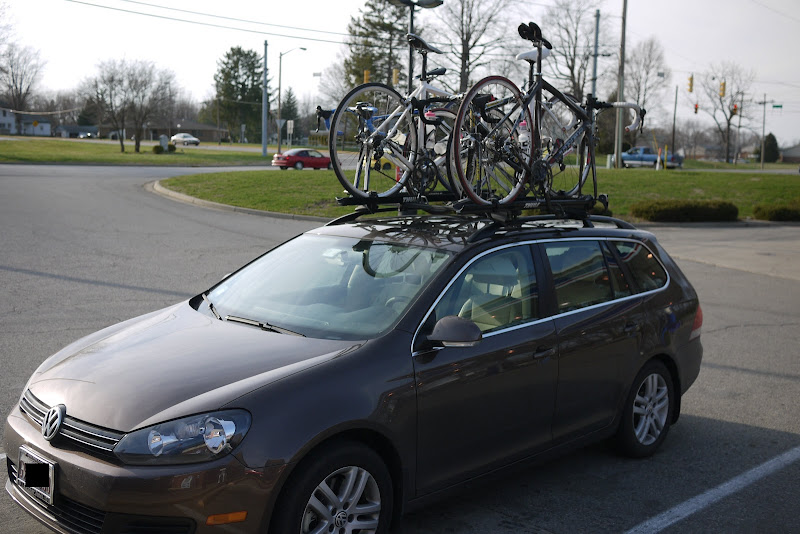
(98,496)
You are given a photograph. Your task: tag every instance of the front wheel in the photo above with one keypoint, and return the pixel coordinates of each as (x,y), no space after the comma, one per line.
(491,147)
(344,488)
(647,413)
(369,123)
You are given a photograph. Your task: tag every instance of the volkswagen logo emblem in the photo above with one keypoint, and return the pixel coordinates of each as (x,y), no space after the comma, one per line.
(52,421)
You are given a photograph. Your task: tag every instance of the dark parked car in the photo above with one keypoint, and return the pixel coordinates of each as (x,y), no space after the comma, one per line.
(352,372)
(300,158)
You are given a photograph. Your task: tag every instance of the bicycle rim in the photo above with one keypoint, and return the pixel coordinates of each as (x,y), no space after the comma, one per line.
(570,170)
(489,153)
(437,146)
(369,141)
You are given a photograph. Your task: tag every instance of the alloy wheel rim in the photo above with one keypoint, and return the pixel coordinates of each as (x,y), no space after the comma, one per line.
(650,409)
(346,502)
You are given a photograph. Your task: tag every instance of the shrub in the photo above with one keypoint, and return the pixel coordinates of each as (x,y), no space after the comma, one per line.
(171,147)
(783,211)
(158,149)
(685,210)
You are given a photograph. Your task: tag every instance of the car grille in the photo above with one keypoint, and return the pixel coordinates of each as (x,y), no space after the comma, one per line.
(94,438)
(80,519)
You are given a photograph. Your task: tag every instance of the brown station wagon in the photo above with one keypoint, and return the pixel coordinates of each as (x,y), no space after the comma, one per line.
(356,371)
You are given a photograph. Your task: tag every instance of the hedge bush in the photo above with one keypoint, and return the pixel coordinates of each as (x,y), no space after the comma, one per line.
(784,211)
(158,149)
(171,147)
(685,210)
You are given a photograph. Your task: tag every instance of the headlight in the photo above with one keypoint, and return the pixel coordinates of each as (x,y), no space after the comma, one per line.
(198,438)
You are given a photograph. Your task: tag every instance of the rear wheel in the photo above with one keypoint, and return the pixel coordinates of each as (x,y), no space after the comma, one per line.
(490,150)
(299,165)
(557,125)
(359,137)
(647,413)
(344,488)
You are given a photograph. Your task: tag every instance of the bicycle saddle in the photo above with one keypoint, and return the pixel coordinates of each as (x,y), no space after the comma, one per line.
(532,55)
(420,45)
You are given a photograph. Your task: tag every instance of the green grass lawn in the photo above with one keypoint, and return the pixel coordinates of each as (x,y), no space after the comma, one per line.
(313,192)
(310,192)
(56,150)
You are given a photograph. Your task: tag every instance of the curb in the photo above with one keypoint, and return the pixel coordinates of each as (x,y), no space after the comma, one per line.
(157,188)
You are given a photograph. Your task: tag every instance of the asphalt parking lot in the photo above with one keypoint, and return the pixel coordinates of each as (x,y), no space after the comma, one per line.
(84,247)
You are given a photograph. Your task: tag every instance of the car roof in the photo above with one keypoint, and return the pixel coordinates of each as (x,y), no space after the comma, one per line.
(294,151)
(457,232)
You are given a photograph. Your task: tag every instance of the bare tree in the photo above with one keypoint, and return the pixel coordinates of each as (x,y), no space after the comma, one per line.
(723,106)
(570,26)
(111,94)
(148,90)
(476,29)
(647,74)
(21,69)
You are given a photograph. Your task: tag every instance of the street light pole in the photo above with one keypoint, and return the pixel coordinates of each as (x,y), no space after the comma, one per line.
(413,4)
(280,70)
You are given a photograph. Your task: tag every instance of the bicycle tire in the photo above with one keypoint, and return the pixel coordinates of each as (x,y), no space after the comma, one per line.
(358,142)
(441,151)
(489,151)
(557,123)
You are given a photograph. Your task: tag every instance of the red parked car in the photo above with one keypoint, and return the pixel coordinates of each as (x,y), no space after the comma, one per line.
(300,158)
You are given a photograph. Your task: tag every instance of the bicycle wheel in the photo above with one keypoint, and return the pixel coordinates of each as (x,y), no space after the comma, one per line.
(490,149)
(567,173)
(370,129)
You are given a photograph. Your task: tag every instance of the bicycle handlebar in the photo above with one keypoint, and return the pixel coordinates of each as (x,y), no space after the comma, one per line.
(638,120)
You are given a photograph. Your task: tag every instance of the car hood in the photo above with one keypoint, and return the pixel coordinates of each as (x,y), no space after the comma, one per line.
(169,364)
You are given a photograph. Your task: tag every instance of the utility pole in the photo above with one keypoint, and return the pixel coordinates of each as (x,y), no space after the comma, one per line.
(620,91)
(674,115)
(264,108)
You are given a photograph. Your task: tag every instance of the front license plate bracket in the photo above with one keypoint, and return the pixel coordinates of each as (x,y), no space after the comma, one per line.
(36,475)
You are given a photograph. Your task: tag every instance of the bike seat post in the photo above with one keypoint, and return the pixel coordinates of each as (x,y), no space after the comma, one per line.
(423,75)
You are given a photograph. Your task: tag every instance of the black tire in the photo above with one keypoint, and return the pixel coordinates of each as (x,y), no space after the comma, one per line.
(648,411)
(486,144)
(331,465)
(299,165)
(283,168)
(330,166)
(360,118)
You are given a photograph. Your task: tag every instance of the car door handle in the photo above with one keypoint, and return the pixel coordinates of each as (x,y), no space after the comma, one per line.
(631,328)
(544,352)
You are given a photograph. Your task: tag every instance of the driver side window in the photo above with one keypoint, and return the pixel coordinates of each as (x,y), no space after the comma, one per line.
(496,291)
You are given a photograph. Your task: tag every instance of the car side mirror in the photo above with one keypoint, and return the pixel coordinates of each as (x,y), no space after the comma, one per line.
(454,331)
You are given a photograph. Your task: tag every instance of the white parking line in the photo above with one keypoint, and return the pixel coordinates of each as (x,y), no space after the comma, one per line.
(695,504)
(2,456)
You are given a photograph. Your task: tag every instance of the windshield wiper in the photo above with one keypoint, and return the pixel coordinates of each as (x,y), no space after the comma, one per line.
(264,326)
(211,306)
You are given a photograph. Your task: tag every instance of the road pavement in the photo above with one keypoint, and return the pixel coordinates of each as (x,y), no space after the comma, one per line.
(84,247)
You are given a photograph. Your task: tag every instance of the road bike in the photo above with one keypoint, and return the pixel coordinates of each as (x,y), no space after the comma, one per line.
(508,143)
(383,144)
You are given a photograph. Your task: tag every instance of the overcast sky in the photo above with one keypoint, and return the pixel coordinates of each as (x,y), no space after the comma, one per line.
(73,36)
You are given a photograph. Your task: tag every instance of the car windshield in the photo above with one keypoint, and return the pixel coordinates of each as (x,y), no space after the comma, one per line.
(330,287)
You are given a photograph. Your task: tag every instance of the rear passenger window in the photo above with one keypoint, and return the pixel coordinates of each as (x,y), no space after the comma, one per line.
(646,270)
(497,291)
(580,275)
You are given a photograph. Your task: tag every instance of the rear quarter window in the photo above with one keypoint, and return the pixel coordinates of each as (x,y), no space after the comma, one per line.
(645,269)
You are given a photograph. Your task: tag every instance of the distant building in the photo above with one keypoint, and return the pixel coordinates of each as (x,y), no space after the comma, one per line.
(74,131)
(791,154)
(23,123)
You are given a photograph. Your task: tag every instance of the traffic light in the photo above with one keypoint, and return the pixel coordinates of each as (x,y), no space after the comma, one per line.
(395,76)
(722,89)
(735,110)
(691,83)
(366,75)
(695,109)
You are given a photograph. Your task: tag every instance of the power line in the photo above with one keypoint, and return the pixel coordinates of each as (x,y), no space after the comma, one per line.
(232,18)
(163,17)
(765,6)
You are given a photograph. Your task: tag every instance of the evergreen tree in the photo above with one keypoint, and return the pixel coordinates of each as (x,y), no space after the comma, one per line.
(771,150)
(377,43)
(239,95)
(289,111)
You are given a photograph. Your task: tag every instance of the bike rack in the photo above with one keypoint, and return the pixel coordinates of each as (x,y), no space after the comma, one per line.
(447,203)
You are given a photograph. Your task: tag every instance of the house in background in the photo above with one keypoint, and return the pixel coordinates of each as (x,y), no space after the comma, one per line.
(75,131)
(23,123)
(791,154)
